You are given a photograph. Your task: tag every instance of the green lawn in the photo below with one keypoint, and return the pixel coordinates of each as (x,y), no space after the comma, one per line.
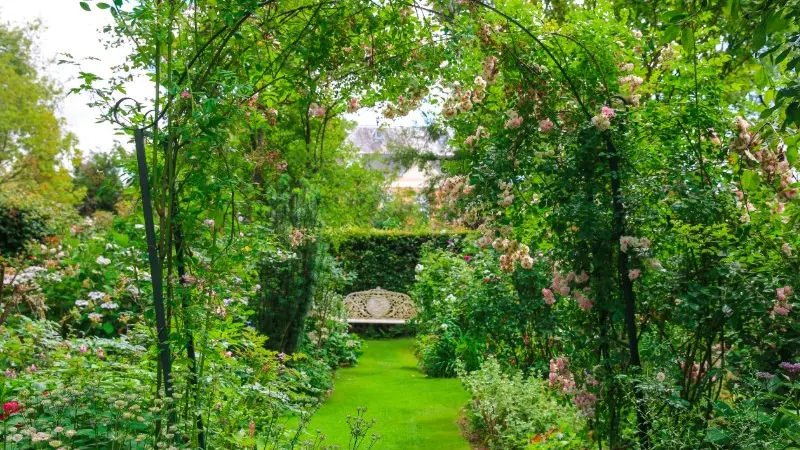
(412,411)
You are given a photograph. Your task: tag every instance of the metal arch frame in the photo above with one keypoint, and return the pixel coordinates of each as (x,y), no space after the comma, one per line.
(156,275)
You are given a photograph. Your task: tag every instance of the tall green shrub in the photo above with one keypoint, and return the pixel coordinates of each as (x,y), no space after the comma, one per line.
(18,226)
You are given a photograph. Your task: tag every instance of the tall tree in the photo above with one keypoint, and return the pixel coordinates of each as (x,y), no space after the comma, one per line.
(33,143)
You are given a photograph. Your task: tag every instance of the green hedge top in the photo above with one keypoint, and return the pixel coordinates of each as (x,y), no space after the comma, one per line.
(388,258)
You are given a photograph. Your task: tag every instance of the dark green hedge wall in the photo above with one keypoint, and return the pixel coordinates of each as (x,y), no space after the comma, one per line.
(387,259)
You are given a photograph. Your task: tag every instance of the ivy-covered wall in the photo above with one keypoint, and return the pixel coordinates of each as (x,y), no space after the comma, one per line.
(385,258)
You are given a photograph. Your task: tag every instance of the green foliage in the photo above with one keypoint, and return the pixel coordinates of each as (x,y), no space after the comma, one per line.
(469,308)
(401,211)
(645,239)
(95,391)
(19,226)
(512,412)
(327,332)
(289,277)
(100,176)
(386,259)
(33,144)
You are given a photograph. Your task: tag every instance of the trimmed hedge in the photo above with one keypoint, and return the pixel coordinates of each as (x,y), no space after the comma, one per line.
(388,258)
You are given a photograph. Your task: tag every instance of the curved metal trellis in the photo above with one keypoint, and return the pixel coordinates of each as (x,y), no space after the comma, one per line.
(164,357)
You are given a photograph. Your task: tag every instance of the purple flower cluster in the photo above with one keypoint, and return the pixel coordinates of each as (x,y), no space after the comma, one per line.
(791,369)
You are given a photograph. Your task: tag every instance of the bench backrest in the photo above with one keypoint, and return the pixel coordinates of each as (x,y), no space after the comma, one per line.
(379,306)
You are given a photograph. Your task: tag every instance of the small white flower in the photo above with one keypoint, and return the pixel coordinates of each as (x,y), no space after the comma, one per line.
(727,310)
(81,303)
(133,290)
(95,295)
(109,305)
(419,268)
(443,327)
(103,261)
(139,226)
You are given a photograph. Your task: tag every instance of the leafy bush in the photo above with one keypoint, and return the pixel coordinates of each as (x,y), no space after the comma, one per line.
(469,308)
(100,176)
(437,353)
(97,391)
(386,259)
(289,275)
(327,331)
(761,411)
(20,225)
(511,411)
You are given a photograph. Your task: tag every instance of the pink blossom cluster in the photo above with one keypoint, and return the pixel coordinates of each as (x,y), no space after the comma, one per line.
(775,164)
(300,236)
(451,189)
(584,302)
(548,295)
(669,53)
(714,138)
(315,110)
(490,69)
(479,92)
(631,83)
(473,139)
(514,119)
(560,377)
(602,121)
(462,99)
(545,125)
(744,140)
(506,197)
(253,100)
(512,251)
(352,105)
(782,306)
(405,104)
(585,401)
(628,242)
(561,284)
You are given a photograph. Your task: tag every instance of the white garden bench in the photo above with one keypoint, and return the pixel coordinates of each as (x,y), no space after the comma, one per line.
(379,306)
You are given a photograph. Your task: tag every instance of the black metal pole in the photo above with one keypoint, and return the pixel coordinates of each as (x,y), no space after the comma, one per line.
(155,263)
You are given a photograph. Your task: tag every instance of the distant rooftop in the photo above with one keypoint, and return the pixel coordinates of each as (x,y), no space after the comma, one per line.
(379,141)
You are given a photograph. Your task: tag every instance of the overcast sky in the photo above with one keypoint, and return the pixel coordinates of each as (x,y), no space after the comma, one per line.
(69,29)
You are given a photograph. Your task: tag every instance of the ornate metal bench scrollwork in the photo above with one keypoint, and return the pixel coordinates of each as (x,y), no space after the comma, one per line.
(379,306)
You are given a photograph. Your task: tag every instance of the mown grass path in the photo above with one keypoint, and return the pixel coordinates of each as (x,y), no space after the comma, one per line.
(412,411)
